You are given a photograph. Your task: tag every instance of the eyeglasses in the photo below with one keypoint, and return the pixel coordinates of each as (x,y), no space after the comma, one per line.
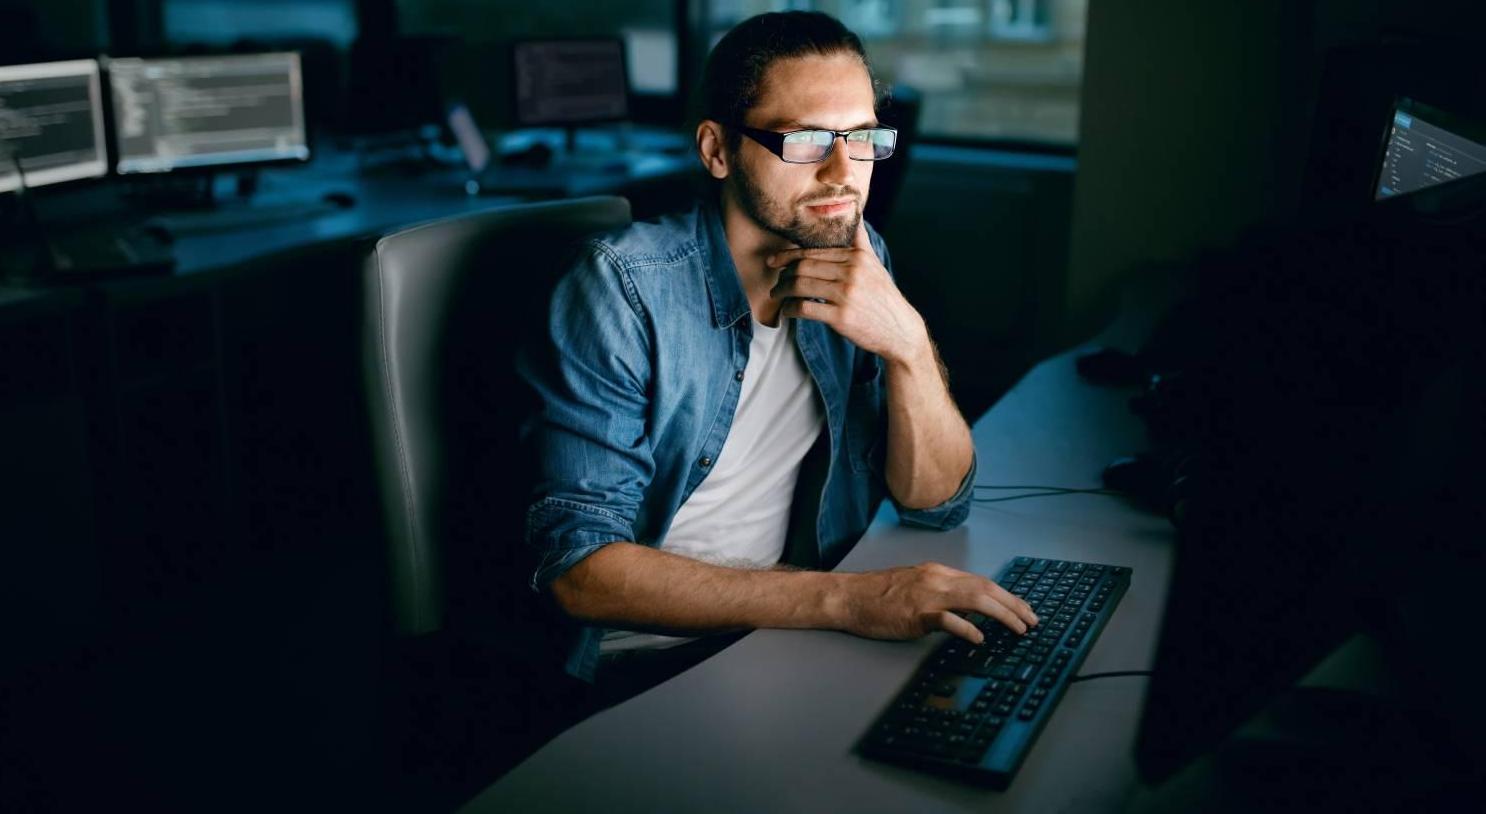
(812,146)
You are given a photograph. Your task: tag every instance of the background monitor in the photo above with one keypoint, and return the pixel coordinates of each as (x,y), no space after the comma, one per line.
(185,112)
(570,82)
(1426,147)
(51,119)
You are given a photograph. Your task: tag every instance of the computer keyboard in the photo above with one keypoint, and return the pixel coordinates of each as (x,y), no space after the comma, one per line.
(975,710)
(100,252)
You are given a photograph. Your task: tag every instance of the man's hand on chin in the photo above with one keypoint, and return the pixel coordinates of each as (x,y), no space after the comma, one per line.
(850,290)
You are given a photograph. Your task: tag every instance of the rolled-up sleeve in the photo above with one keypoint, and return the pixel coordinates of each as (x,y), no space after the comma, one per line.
(590,369)
(946,515)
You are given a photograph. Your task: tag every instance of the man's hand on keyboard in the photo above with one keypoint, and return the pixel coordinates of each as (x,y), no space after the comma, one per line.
(909,602)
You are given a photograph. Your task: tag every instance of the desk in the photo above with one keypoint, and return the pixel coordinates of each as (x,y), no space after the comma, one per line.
(769,724)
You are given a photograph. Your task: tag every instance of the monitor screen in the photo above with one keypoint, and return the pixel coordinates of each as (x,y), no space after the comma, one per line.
(51,120)
(207,111)
(562,82)
(1426,147)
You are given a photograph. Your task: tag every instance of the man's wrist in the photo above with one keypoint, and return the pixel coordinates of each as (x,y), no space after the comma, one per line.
(919,359)
(828,601)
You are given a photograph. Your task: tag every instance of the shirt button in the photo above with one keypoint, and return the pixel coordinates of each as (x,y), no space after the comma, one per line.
(738,377)
(705,462)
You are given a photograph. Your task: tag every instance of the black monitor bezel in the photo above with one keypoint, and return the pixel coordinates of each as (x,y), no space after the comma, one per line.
(629,95)
(108,165)
(201,169)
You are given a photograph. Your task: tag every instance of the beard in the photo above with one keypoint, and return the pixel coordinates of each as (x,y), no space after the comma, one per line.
(787,222)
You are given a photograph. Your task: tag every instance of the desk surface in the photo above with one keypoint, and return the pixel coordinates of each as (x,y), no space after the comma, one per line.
(769,724)
(288,209)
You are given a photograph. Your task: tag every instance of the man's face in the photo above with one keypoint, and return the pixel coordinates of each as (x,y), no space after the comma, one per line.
(810,205)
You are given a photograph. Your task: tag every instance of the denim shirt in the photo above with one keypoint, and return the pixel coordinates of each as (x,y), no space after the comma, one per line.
(638,376)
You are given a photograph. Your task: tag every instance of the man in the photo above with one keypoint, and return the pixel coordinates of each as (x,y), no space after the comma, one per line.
(727,387)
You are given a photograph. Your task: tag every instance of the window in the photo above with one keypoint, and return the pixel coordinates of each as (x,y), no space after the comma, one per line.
(995,70)
(222,22)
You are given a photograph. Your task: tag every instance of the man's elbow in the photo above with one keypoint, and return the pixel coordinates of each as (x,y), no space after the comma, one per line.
(576,591)
(567,593)
(916,497)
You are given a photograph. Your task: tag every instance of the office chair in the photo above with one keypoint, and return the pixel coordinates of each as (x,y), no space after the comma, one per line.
(445,304)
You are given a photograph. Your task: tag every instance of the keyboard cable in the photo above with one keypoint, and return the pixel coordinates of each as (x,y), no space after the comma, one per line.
(1039,491)
(1115,674)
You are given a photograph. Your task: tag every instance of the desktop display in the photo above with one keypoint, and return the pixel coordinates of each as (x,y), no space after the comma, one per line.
(1426,147)
(570,82)
(180,113)
(51,120)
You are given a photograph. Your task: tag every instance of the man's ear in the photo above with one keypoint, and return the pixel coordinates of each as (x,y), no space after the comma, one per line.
(711,149)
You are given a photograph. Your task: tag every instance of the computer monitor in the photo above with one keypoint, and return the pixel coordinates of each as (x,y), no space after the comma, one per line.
(1323,399)
(51,120)
(1425,146)
(570,82)
(204,112)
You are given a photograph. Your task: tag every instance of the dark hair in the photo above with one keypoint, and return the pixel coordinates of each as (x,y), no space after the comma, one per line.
(734,74)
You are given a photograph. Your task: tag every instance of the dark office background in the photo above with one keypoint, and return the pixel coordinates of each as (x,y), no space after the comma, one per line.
(217,566)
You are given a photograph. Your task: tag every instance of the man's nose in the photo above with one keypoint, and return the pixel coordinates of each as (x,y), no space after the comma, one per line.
(837,169)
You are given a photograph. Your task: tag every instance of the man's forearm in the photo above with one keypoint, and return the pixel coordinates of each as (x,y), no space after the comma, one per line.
(929,447)
(642,587)
(636,587)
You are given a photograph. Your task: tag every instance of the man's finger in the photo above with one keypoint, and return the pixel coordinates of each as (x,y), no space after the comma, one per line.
(861,239)
(959,626)
(811,267)
(806,287)
(787,256)
(1012,601)
(981,603)
(808,309)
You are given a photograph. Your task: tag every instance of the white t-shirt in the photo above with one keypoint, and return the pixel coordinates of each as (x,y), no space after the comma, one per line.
(738,516)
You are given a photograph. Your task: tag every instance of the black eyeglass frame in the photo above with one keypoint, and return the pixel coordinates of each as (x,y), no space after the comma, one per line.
(774,142)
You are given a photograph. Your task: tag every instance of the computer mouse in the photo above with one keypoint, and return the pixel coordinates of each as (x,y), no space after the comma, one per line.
(344,200)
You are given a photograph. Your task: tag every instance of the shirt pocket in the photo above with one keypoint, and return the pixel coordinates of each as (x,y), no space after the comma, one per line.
(865,444)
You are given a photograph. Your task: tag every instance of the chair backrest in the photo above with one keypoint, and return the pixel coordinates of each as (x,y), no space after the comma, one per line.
(445,304)
(901,110)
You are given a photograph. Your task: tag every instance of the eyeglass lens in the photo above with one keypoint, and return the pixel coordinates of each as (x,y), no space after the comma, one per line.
(808,146)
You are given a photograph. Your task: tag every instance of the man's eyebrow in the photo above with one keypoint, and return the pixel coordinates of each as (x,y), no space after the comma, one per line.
(796,124)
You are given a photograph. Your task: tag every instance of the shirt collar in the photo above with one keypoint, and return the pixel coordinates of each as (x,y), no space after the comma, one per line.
(729,303)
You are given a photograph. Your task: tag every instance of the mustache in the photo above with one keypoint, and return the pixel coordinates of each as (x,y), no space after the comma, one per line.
(844,192)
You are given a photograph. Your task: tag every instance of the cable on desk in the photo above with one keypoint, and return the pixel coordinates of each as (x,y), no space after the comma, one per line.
(1115,674)
(1044,488)
(1049,491)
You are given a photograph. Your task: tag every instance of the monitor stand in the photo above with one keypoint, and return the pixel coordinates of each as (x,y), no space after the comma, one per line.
(190,191)
(1315,743)
(592,159)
